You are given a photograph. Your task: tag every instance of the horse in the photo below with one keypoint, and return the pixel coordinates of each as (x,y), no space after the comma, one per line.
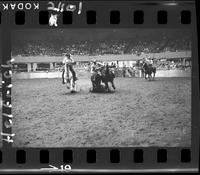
(68,78)
(148,70)
(105,77)
(96,81)
(108,76)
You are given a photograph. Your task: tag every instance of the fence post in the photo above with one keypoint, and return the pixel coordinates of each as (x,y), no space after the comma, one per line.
(28,67)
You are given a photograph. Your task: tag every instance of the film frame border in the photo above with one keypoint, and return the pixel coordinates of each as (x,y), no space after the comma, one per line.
(103,154)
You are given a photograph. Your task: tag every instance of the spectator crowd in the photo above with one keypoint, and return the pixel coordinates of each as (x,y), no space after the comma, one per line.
(98,47)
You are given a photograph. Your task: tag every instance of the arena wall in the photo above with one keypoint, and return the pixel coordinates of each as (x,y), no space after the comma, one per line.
(159,73)
(124,58)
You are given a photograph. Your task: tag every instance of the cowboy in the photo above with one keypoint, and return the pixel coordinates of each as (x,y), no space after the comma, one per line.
(148,61)
(151,61)
(96,67)
(144,61)
(70,61)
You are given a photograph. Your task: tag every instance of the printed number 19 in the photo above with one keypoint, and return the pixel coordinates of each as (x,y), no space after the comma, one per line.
(65,167)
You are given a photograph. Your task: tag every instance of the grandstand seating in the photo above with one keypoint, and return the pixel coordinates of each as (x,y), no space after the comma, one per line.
(95,47)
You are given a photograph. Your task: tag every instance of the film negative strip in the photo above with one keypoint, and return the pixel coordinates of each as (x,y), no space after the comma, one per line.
(99,86)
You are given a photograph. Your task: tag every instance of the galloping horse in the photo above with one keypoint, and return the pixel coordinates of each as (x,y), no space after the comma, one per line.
(68,78)
(148,70)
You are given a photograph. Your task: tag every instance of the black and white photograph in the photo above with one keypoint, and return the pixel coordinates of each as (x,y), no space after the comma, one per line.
(99,87)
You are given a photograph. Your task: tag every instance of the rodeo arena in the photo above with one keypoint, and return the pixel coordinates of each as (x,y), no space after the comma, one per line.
(101,91)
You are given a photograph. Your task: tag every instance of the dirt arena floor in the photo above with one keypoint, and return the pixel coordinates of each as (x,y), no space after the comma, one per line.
(140,113)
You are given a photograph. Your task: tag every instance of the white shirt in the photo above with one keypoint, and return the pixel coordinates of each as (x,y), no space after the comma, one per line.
(66,60)
(93,66)
(151,61)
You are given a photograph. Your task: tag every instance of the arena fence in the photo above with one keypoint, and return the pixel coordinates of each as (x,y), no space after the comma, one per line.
(136,74)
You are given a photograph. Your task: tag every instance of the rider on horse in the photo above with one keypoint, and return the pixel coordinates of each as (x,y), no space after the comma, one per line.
(147,61)
(148,68)
(68,60)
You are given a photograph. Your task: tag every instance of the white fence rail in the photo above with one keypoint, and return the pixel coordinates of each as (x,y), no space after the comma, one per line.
(123,57)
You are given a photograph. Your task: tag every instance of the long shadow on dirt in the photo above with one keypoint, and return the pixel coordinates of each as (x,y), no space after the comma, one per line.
(102,92)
